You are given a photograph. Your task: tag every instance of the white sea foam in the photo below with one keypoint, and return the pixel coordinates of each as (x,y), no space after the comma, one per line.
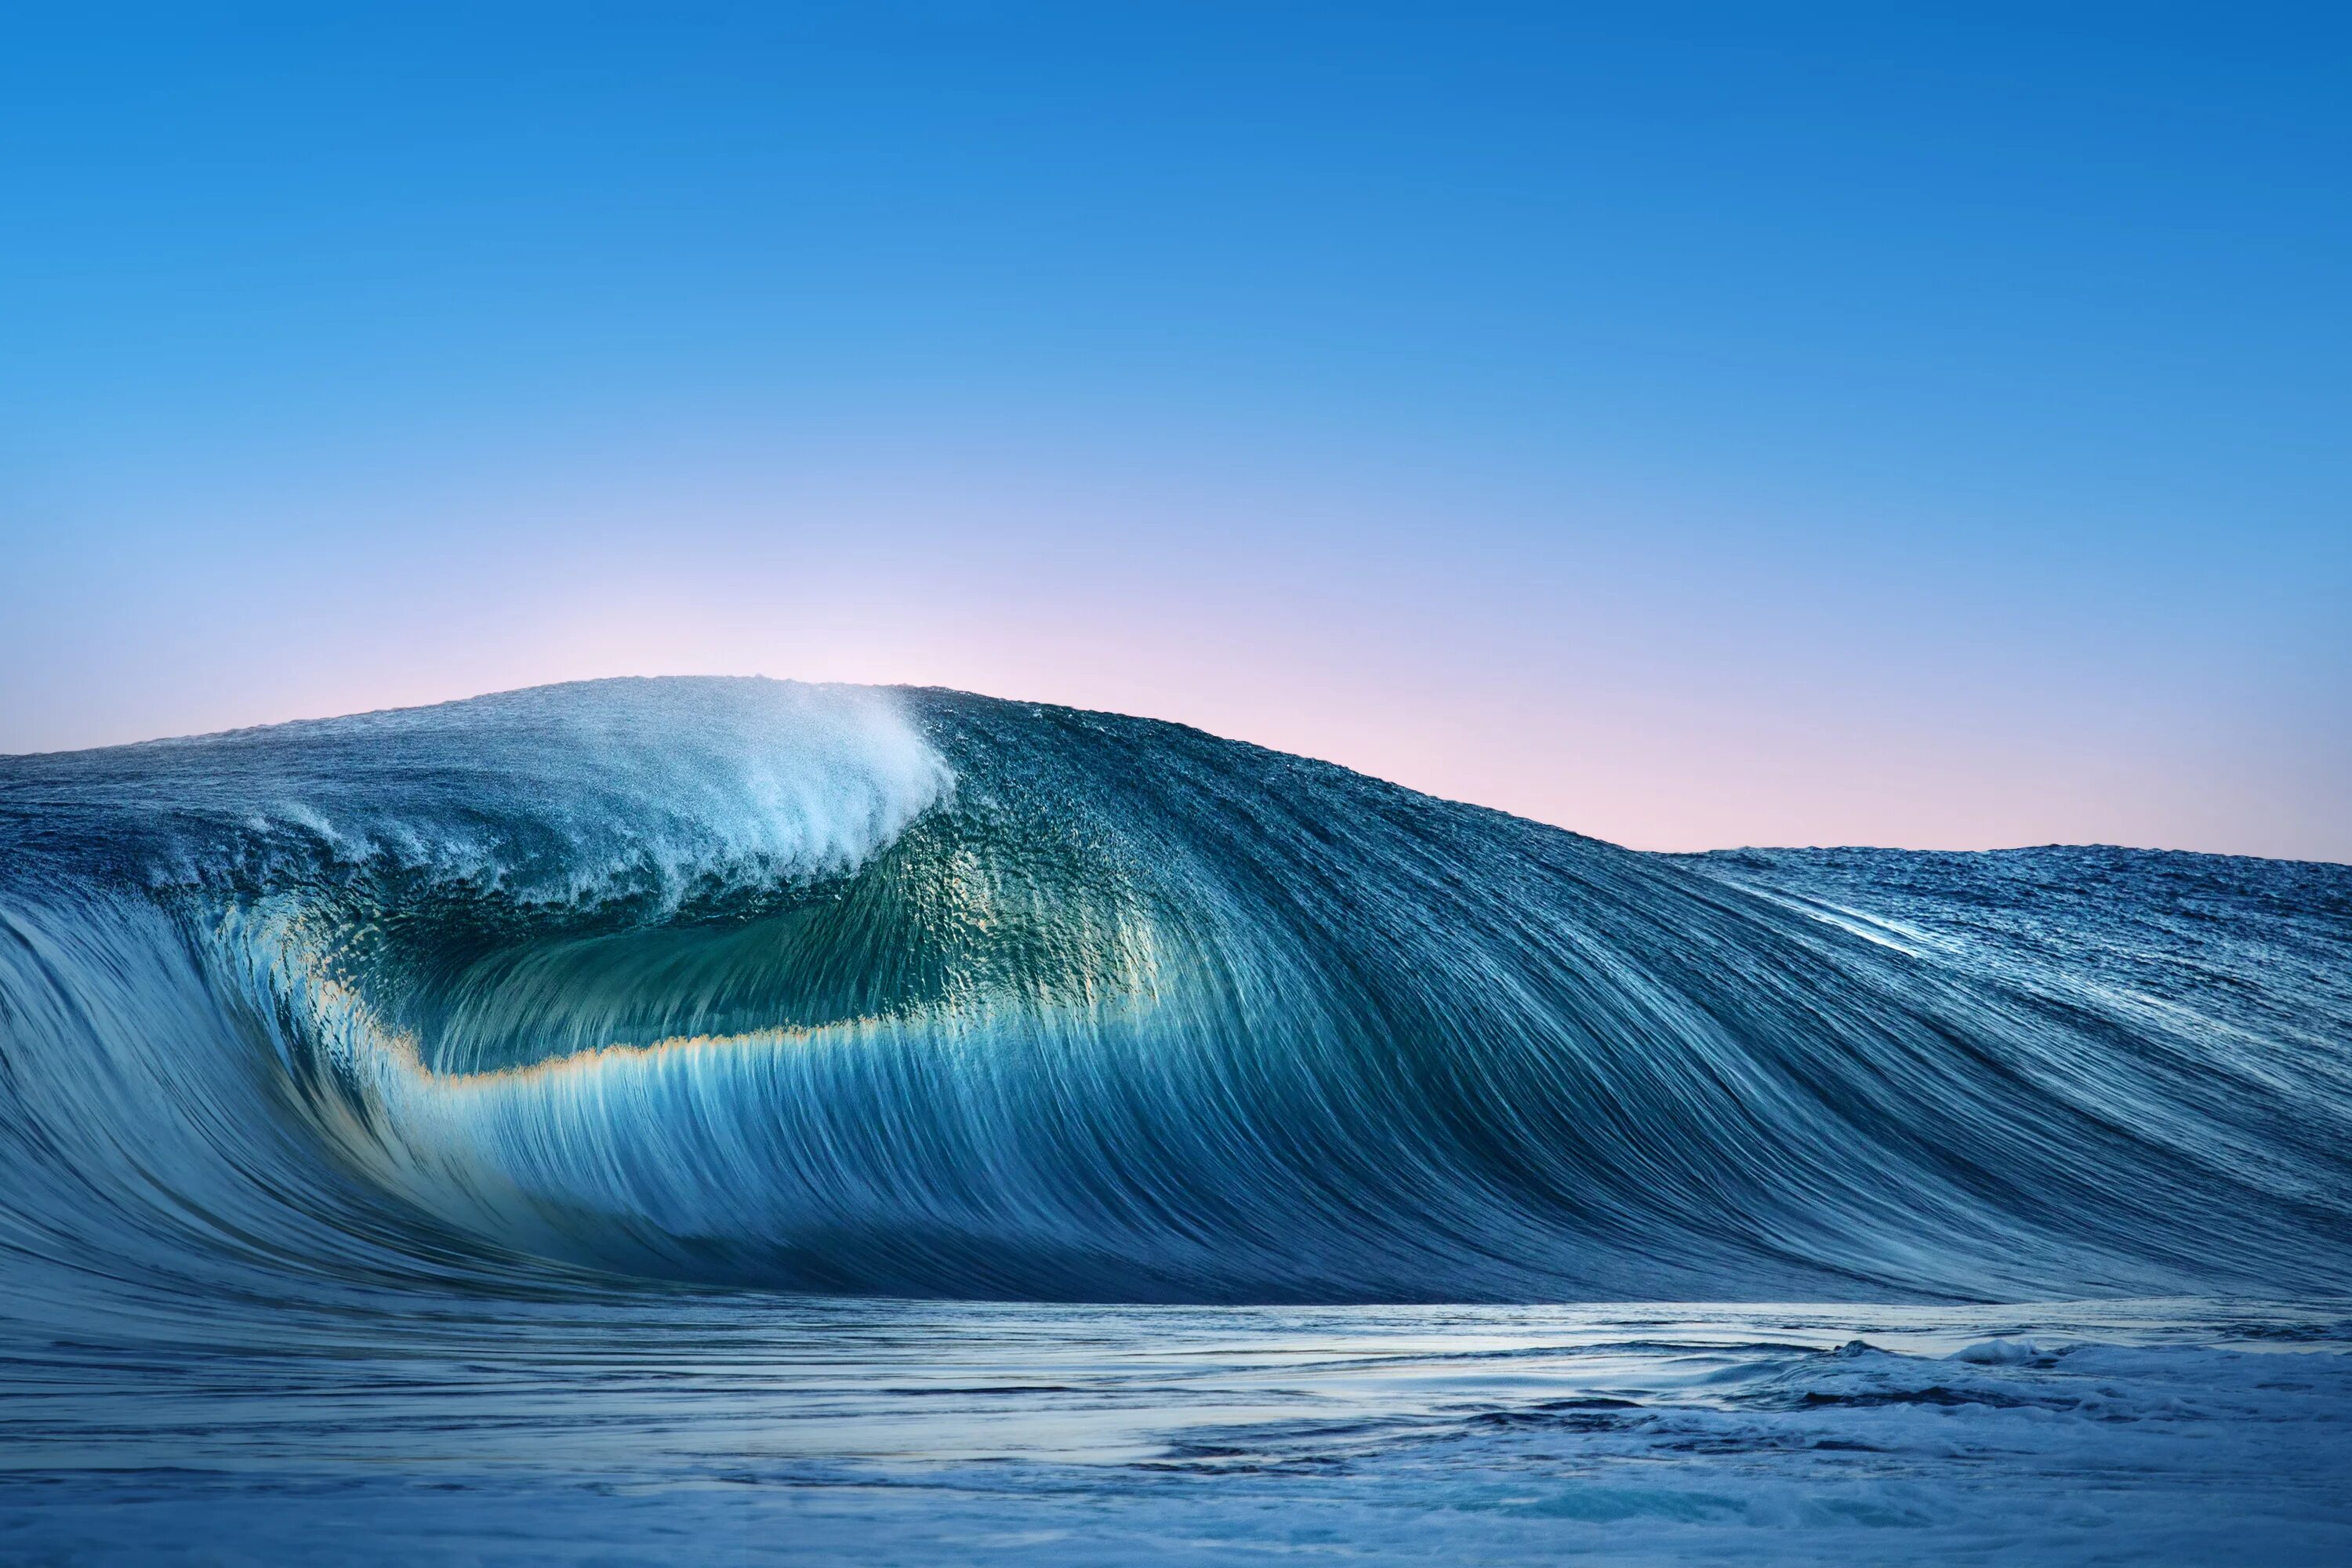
(588,792)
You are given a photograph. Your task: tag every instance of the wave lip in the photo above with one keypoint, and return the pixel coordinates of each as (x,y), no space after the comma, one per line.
(917,993)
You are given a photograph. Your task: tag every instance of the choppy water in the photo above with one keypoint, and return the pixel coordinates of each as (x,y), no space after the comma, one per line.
(659,1120)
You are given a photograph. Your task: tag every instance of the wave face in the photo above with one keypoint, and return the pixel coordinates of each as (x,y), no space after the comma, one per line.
(914,993)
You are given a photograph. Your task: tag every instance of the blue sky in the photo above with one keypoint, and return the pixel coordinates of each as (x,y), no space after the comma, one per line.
(1690,425)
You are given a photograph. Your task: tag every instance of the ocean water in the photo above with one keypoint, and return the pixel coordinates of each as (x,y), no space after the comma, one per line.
(738,1120)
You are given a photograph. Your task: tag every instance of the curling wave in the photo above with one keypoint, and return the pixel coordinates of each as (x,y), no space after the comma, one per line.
(832,989)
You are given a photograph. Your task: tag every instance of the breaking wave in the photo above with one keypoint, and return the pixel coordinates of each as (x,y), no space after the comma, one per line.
(843,990)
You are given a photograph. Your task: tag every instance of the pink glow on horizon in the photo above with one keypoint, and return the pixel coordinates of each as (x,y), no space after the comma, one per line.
(1705,690)
(1654,768)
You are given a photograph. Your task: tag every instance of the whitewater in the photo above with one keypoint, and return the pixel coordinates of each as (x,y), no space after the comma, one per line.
(736,1120)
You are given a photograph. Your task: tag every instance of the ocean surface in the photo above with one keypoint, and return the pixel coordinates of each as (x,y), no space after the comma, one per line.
(732,1120)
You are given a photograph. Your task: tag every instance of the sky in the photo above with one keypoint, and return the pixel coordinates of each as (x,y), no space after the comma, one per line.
(1694,425)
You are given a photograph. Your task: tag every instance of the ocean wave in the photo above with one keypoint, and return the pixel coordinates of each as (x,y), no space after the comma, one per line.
(742,982)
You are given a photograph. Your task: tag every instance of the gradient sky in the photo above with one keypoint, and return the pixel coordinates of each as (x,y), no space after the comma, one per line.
(1692,425)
